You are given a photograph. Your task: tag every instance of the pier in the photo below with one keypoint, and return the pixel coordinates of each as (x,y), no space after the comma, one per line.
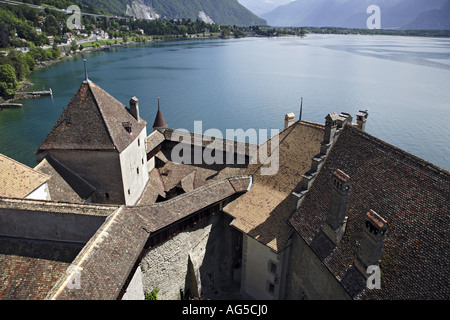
(36,94)
(10,106)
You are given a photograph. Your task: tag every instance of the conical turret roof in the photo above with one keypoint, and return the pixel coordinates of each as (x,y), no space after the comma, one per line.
(159,123)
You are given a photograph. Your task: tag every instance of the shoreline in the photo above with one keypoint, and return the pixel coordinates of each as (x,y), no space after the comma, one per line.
(46,64)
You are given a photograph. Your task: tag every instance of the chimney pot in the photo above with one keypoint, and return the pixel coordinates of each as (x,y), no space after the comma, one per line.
(361,118)
(372,241)
(134,107)
(289,119)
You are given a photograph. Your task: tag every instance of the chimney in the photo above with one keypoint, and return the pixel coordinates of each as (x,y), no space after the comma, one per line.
(334,226)
(289,119)
(372,242)
(134,107)
(361,118)
(330,130)
(344,118)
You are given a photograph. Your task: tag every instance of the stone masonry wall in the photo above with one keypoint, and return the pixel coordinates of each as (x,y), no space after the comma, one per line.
(308,278)
(199,261)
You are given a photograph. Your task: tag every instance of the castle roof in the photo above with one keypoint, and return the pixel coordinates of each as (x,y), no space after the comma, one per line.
(108,258)
(31,268)
(93,120)
(18,180)
(411,194)
(262,212)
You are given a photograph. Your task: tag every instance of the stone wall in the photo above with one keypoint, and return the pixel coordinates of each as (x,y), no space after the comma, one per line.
(51,226)
(308,278)
(198,261)
(100,168)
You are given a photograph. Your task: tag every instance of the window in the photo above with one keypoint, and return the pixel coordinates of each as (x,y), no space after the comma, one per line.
(137,169)
(271,288)
(272,267)
(129,192)
(107,196)
(139,143)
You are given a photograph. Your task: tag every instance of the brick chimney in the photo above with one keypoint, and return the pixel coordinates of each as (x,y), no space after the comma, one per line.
(361,118)
(372,242)
(334,226)
(289,119)
(134,107)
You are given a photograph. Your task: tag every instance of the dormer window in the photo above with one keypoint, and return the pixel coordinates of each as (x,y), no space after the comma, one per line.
(127,126)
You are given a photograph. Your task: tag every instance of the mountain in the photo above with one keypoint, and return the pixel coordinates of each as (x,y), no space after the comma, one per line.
(437,19)
(225,12)
(395,14)
(260,7)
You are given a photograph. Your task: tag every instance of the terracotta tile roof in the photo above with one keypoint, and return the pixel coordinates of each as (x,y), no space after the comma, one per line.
(93,120)
(18,180)
(64,184)
(29,269)
(412,196)
(262,213)
(108,258)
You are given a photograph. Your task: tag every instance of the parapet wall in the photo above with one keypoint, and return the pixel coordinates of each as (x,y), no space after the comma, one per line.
(50,221)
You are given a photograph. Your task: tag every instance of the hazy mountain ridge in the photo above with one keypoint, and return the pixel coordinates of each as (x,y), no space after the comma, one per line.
(228,12)
(260,7)
(395,14)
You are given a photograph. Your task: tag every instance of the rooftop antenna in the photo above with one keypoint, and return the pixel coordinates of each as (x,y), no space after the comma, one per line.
(301,108)
(85,72)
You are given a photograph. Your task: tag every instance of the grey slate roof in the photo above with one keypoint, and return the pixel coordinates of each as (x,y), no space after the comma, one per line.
(93,120)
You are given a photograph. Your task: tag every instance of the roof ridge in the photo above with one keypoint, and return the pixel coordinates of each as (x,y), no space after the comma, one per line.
(412,159)
(59,206)
(203,187)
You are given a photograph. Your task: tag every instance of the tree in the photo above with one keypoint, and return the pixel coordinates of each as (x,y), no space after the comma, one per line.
(51,25)
(74,45)
(8,80)
(55,51)
(17,60)
(4,36)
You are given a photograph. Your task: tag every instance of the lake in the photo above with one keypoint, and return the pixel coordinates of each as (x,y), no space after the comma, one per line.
(246,83)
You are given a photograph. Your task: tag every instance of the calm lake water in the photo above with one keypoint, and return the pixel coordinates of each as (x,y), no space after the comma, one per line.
(404,82)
